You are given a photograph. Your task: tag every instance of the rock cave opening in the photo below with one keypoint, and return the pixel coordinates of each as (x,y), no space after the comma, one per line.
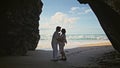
(20,33)
(21,29)
(81,24)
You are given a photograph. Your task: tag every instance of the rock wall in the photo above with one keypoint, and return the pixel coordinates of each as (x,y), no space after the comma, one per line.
(114,4)
(107,12)
(19,26)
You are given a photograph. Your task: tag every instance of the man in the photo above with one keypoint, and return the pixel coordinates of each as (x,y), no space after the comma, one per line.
(54,43)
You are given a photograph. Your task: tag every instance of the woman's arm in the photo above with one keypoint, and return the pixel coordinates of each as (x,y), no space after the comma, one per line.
(65,40)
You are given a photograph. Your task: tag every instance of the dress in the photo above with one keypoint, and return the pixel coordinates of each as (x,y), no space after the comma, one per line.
(62,42)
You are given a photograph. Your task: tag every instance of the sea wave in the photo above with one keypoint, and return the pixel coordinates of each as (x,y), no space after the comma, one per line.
(73,40)
(78,37)
(88,37)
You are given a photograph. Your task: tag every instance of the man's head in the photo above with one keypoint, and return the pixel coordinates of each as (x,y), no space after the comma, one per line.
(58,28)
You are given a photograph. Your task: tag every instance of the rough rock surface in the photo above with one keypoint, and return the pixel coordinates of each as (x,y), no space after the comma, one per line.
(19,26)
(115,4)
(108,14)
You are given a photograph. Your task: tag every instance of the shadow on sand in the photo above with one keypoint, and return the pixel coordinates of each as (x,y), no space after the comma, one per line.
(80,57)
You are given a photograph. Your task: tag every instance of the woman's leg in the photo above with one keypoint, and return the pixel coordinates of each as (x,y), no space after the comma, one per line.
(63,53)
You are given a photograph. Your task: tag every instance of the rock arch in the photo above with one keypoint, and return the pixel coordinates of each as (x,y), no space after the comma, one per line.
(19,23)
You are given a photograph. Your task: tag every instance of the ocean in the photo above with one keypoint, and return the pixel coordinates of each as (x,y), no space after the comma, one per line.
(74,40)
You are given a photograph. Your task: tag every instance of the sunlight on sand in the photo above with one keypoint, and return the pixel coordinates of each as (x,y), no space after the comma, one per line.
(47,45)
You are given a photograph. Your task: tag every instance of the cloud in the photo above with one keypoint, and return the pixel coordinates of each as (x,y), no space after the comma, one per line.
(80,10)
(88,10)
(59,18)
(64,19)
(75,8)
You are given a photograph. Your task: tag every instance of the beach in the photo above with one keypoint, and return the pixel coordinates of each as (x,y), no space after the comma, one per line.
(77,57)
(74,41)
(46,45)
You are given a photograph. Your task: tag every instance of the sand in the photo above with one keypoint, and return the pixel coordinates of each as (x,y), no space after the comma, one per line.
(46,45)
(76,57)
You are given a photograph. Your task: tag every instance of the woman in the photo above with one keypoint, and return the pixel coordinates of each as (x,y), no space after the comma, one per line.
(62,40)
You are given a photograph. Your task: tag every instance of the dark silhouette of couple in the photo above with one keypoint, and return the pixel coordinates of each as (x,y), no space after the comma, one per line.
(59,39)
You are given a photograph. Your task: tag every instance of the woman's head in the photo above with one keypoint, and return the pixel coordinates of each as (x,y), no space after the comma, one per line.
(63,31)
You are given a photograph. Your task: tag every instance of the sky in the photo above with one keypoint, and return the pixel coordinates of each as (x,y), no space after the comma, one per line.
(76,18)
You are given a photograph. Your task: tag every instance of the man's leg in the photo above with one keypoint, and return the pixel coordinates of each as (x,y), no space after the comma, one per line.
(55,52)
